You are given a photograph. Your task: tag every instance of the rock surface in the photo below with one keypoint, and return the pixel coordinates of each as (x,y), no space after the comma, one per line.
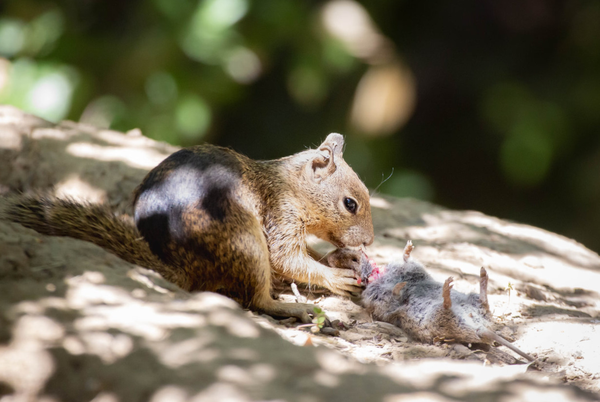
(79,324)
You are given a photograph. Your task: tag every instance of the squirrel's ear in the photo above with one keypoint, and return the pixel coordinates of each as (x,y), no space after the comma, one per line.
(325,162)
(335,142)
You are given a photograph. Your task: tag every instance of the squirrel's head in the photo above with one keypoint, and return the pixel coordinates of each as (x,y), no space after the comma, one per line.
(340,209)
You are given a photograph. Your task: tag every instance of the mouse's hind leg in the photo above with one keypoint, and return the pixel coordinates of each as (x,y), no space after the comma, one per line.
(446,292)
(483,283)
(398,288)
(407,250)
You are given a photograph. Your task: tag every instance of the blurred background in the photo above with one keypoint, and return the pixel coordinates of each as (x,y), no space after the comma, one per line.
(481,104)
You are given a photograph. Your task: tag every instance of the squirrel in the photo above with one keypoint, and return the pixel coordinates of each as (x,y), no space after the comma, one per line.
(210,219)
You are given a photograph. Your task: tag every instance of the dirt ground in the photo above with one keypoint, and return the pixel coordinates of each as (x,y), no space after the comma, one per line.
(77,323)
(543,292)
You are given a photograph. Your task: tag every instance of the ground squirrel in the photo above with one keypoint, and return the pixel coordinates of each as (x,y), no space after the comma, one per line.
(208,218)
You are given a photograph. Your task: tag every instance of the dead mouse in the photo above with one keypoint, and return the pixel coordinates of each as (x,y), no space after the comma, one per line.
(407,296)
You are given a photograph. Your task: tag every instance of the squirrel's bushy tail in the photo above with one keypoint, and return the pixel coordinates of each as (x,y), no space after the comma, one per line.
(95,223)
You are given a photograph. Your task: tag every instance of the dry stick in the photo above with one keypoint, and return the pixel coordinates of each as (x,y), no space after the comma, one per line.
(299,297)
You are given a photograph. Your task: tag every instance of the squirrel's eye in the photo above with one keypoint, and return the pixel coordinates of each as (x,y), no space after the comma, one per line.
(350,205)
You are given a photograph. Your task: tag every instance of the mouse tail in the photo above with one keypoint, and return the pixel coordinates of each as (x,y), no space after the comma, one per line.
(491,335)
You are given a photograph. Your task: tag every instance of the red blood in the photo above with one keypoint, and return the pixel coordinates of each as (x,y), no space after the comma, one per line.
(376,272)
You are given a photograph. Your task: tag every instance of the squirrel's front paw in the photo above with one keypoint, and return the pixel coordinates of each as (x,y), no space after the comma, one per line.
(343,281)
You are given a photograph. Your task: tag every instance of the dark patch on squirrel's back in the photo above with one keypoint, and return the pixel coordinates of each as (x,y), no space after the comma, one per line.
(155,229)
(216,201)
(200,178)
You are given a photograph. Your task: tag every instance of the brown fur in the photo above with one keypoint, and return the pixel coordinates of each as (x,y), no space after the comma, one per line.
(211,219)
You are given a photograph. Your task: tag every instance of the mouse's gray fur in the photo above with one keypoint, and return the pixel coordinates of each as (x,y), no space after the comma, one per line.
(408,297)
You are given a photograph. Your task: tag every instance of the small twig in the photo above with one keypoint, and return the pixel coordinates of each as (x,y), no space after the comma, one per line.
(299,297)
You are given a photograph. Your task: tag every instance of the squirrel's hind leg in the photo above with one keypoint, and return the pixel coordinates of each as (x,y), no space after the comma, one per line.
(243,266)
(258,282)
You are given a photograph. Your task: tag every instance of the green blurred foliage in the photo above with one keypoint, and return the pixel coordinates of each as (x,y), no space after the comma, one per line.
(507,108)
